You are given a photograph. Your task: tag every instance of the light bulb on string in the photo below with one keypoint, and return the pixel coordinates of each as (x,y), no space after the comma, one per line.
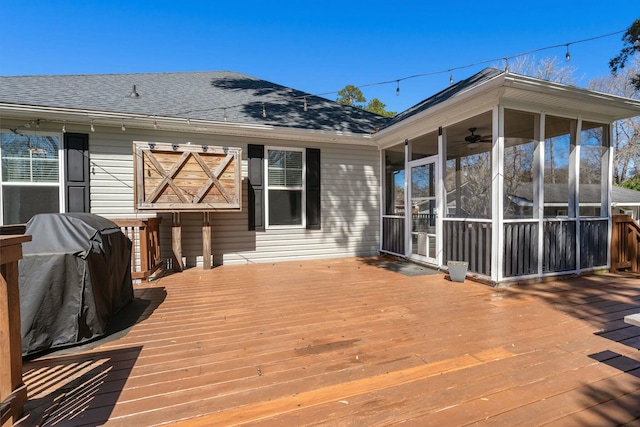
(64,126)
(506,65)
(306,107)
(398,88)
(451,79)
(225,114)
(155,123)
(567,56)
(123,127)
(264,111)
(93,129)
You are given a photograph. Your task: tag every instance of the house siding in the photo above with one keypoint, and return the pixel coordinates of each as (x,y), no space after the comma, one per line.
(349,203)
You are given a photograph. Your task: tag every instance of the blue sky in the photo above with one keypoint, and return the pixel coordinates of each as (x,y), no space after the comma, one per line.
(314,46)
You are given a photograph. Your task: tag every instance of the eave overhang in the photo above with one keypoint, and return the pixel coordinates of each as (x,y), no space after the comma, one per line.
(512,91)
(82,117)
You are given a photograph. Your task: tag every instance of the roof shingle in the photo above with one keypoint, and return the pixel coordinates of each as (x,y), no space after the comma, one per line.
(195,95)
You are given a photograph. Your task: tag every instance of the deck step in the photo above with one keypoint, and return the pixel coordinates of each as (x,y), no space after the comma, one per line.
(632,319)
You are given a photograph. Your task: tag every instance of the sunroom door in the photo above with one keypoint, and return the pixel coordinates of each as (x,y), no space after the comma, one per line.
(423,230)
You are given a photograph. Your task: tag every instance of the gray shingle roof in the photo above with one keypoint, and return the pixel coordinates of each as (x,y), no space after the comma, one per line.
(475,80)
(590,193)
(195,95)
(623,195)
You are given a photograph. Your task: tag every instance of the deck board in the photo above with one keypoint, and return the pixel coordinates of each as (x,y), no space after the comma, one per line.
(345,342)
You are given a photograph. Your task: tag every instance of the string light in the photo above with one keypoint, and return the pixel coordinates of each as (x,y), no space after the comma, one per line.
(135,94)
(449,71)
(64,126)
(93,129)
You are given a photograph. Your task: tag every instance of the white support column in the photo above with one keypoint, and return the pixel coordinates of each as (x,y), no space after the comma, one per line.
(608,155)
(497,193)
(606,172)
(407,199)
(574,168)
(574,184)
(441,168)
(382,197)
(538,189)
(458,186)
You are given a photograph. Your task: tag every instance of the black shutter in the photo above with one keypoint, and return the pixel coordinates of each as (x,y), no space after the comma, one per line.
(313,188)
(256,187)
(76,176)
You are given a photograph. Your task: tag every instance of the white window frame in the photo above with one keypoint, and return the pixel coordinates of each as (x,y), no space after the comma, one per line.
(61,169)
(303,188)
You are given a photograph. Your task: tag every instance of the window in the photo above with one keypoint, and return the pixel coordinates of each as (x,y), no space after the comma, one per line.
(519,149)
(285,187)
(468,185)
(592,167)
(557,153)
(30,178)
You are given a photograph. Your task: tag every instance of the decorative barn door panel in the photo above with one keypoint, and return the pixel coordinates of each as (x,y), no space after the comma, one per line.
(186,177)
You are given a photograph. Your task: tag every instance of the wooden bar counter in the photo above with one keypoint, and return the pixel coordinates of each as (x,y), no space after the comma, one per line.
(13,392)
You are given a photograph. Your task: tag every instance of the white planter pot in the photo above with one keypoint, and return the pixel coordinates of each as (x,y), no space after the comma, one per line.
(457,270)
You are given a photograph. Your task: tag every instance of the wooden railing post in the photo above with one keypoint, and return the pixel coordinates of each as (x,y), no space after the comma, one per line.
(206,240)
(144,233)
(625,244)
(176,242)
(13,393)
(615,244)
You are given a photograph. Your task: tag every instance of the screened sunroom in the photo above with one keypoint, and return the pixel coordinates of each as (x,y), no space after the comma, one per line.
(506,172)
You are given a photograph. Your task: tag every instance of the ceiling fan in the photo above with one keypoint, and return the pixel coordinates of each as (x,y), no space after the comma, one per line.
(473,138)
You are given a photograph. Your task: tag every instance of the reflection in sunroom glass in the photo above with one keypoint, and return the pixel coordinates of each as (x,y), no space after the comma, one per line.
(30,176)
(29,158)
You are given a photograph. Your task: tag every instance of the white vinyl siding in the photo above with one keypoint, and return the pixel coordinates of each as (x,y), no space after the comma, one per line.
(349,203)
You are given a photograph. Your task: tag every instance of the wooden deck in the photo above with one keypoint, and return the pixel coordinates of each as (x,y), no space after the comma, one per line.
(346,342)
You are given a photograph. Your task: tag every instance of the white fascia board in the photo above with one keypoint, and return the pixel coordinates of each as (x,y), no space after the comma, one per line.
(623,204)
(487,95)
(619,107)
(137,121)
(554,111)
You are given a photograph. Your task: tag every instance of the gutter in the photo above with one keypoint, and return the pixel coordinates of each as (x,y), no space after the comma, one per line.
(164,123)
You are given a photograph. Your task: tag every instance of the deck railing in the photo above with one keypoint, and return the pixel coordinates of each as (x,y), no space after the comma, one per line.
(520,248)
(144,235)
(393,234)
(13,393)
(625,244)
(145,251)
(593,242)
(468,240)
(559,245)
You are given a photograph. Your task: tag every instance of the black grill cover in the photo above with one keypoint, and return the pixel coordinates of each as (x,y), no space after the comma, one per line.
(74,276)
